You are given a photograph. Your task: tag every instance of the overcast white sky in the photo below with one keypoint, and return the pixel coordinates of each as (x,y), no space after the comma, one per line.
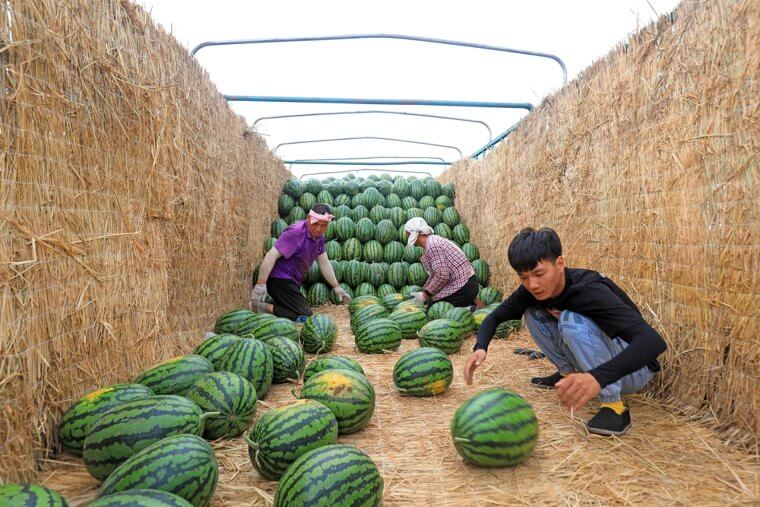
(578,31)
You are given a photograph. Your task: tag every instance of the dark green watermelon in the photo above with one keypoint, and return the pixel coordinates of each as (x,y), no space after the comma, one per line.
(176,375)
(229,394)
(318,334)
(426,371)
(377,336)
(288,360)
(29,495)
(348,394)
(251,359)
(331,363)
(141,498)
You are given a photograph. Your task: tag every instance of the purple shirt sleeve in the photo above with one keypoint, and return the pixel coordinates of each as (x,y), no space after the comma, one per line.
(289,242)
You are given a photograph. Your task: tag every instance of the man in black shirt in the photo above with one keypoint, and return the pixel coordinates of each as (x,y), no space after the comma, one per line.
(584,323)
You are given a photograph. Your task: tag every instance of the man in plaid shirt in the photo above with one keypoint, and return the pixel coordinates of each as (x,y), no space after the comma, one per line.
(450,274)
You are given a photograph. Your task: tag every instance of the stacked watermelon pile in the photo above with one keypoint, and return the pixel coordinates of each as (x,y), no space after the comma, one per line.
(366,241)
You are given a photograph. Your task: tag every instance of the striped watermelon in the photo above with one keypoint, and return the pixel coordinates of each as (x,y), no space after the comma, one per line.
(348,394)
(432,187)
(365,289)
(335,298)
(140,498)
(408,204)
(479,316)
(373,251)
(450,216)
(438,310)
(407,290)
(384,187)
(391,300)
(331,363)
(506,328)
(313,186)
(416,189)
(269,243)
(443,231)
(330,234)
(318,334)
(373,197)
(334,250)
(296,215)
(183,465)
(393,201)
(397,274)
(412,254)
(230,321)
(402,236)
(345,228)
(284,433)
(336,189)
(384,290)
(378,213)
(318,294)
(325,197)
(367,314)
(251,359)
(377,336)
(442,202)
(176,375)
(352,249)
(482,271)
(130,427)
(426,202)
(365,230)
(229,394)
(354,273)
(471,251)
(443,334)
(448,190)
(432,216)
(294,188)
(277,327)
(341,211)
(488,295)
(288,360)
(359,212)
(393,252)
(312,275)
(385,232)
(495,428)
(410,319)
(461,234)
(278,225)
(423,372)
(361,302)
(342,200)
(417,274)
(397,215)
(411,304)
(400,187)
(414,212)
(79,417)
(29,495)
(251,323)
(463,316)
(337,271)
(329,476)
(375,275)
(307,200)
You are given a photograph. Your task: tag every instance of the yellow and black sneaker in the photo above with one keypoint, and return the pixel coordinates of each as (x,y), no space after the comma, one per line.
(546,382)
(607,422)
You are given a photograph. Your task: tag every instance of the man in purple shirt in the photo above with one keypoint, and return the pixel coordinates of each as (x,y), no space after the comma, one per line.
(282,271)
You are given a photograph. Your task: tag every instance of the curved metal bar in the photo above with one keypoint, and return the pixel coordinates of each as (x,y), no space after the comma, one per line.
(376,111)
(329,159)
(274,151)
(494,142)
(328,162)
(429,40)
(378,102)
(405,171)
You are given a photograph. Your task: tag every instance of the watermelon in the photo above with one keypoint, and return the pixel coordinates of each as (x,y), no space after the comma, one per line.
(318,334)
(251,359)
(478,316)
(312,275)
(231,320)
(348,394)
(361,302)
(471,251)
(29,495)
(130,427)
(354,273)
(423,372)
(352,249)
(448,190)
(443,231)
(359,212)
(384,290)
(352,187)
(296,215)
(393,200)
(495,428)
(284,433)
(375,275)
(365,289)
(438,310)
(330,234)
(489,295)
(367,314)
(400,188)
(334,250)
(365,230)
(307,201)
(384,187)
(397,215)
(335,298)
(402,236)
(229,394)
(345,228)
(377,336)
(397,274)
(251,323)
(278,225)
(408,203)
(391,300)
(373,197)
(463,316)
(331,363)
(432,187)
(385,232)
(336,189)
(443,334)
(325,197)
(417,274)
(378,213)
(183,465)
(140,498)
(341,211)
(412,254)
(450,216)
(410,319)
(328,476)
(416,189)
(294,188)
(482,271)
(79,417)
(337,268)
(393,252)
(461,234)
(410,303)
(414,212)
(313,186)
(342,200)
(407,290)
(288,360)
(373,251)
(269,243)
(426,202)
(277,327)
(176,375)
(442,202)
(432,216)
(318,294)
(506,328)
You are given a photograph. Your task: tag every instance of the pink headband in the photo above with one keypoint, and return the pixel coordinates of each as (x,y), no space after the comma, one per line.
(316,217)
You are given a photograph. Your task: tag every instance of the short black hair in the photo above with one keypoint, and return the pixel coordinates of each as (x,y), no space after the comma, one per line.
(531,246)
(321,208)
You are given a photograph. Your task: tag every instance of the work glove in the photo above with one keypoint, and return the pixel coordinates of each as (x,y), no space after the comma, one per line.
(342,294)
(259,292)
(418,297)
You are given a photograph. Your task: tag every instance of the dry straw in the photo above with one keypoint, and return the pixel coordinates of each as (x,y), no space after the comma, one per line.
(647,166)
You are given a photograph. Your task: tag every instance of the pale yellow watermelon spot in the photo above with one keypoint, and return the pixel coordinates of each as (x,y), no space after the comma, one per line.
(97,394)
(437,387)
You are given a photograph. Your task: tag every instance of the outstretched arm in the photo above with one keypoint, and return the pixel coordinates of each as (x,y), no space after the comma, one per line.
(327,271)
(267,264)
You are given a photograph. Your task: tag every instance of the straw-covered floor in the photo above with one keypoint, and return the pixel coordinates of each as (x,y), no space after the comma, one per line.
(665,457)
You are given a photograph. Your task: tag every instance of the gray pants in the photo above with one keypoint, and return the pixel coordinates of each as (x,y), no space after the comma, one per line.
(575,343)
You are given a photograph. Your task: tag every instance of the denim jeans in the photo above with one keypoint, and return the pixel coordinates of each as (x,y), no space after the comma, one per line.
(575,343)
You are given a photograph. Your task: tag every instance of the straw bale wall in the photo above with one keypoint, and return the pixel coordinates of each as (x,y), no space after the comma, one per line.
(647,166)
(134,204)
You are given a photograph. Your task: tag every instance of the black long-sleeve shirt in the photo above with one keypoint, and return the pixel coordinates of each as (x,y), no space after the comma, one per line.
(598,298)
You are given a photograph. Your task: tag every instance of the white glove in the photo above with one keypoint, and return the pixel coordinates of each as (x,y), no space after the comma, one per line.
(259,292)
(342,294)
(419,297)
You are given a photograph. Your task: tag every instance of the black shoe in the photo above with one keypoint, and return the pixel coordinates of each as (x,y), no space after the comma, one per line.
(606,422)
(546,382)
